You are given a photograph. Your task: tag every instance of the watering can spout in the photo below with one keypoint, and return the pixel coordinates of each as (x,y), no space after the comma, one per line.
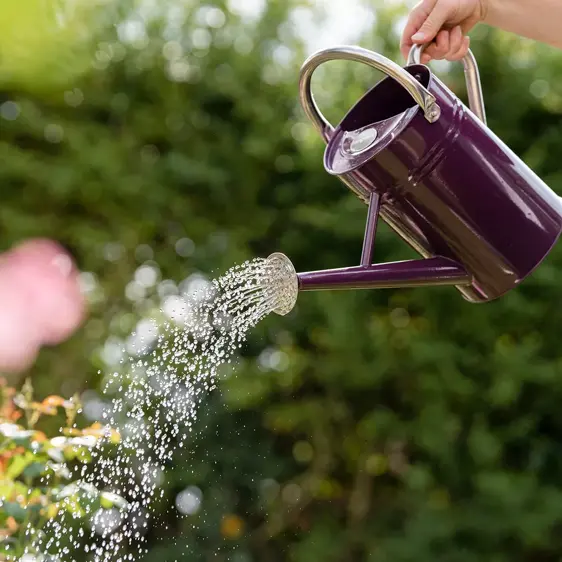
(411,273)
(433,272)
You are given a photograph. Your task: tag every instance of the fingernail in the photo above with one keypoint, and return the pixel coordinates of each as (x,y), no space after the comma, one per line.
(419,36)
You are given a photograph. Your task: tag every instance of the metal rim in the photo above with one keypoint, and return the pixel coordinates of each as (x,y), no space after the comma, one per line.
(472,76)
(421,95)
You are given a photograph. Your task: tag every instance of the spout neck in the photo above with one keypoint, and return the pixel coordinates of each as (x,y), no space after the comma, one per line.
(412,273)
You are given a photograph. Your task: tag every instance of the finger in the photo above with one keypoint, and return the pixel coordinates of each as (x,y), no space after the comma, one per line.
(40,300)
(455,42)
(440,47)
(20,339)
(415,20)
(462,51)
(443,41)
(48,276)
(438,16)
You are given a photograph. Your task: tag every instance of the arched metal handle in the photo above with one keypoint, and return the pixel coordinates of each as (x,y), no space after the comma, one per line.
(421,95)
(472,75)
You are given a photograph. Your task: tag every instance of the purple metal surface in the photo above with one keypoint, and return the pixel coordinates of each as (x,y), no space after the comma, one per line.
(411,273)
(450,189)
(370,229)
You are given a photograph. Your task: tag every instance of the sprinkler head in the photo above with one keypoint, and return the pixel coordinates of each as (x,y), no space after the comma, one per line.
(283,283)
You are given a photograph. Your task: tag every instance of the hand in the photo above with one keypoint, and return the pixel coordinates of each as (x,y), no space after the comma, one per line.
(40,301)
(446,21)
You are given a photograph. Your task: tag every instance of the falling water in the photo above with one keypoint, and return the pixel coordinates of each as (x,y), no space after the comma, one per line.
(155,403)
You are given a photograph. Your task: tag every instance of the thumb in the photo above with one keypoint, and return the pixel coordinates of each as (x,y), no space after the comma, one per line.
(433,23)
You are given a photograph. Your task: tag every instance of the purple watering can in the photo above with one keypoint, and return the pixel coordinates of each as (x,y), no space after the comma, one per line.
(431,168)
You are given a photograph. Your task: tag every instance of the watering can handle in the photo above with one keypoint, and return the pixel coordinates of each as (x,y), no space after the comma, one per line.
(472,75)
(424,98)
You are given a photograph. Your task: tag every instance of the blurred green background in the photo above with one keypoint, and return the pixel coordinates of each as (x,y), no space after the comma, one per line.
(376,426)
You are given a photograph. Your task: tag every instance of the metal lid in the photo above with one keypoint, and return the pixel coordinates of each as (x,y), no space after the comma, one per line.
(348,150)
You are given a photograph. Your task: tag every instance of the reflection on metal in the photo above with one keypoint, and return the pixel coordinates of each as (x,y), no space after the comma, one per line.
(421,95)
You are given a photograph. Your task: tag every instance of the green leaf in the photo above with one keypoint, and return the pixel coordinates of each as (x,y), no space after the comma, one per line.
(7,488)
(15,510)
(18,464)
(34,470)
(23,441)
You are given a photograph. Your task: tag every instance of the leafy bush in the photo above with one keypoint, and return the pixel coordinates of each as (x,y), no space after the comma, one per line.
(36,472)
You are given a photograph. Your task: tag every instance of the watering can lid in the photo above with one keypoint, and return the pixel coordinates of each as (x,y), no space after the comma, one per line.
(349,150)
(372,123)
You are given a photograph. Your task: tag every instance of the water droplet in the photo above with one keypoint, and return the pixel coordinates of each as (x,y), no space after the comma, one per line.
(179,71)
(201,38)
(9,110)
(147,276)
(74,97)
(113,251)
(54,133)
(188,501)
(172,50)
(185,247)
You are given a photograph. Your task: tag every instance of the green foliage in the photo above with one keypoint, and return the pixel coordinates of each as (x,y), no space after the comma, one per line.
(48,44)
(378,425)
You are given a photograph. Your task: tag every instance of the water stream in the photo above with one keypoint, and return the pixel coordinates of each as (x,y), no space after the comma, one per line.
(154,403)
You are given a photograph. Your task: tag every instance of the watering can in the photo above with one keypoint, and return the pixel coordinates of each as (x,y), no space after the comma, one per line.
(480,218)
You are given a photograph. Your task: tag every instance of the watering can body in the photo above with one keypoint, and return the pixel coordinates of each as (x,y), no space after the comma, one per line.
(481,219)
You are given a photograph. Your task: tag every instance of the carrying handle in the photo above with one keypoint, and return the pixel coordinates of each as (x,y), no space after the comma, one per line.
(472,76)
(421,95)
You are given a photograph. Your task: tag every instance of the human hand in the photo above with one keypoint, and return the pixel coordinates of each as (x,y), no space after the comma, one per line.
(40,301)
(446,21)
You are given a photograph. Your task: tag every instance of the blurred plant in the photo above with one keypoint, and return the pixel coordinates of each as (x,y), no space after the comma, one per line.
(48,44)
(36,471)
